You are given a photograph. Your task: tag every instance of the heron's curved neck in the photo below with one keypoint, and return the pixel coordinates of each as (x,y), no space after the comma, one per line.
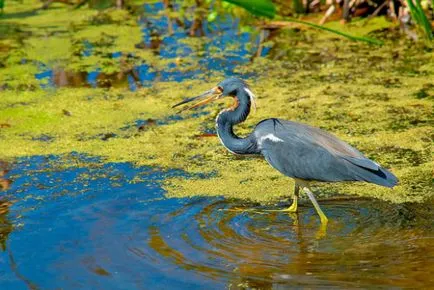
(228,118)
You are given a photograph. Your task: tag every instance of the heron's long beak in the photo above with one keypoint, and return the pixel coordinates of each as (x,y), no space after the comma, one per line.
(204,98)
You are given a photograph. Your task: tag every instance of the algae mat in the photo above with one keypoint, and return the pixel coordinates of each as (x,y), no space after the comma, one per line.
(95,114)
(379,99)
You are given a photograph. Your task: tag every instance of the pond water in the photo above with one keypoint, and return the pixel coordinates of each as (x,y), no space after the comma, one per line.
(172,47)
(110,227)
(78,221)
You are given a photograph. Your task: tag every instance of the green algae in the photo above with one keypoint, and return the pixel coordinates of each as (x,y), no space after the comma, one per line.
(407,152)
(364,124)
(377,99)
(56,37)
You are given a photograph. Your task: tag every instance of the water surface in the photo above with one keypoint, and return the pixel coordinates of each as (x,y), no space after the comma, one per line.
(71,222)
(217,53)
(75,221)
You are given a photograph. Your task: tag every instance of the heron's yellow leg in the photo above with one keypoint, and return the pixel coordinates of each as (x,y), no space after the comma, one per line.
(321,232)
(293,207)
(322,216)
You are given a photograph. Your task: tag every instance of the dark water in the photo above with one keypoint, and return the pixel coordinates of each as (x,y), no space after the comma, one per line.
(110,227)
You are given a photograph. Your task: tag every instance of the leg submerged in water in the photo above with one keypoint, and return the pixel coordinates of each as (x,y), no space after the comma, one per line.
(321,214)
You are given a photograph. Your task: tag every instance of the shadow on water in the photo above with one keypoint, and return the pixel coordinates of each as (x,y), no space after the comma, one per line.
(79,223)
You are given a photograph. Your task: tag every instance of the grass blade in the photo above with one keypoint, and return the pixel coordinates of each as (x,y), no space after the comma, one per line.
(349,36)
(258,7)
(420,18)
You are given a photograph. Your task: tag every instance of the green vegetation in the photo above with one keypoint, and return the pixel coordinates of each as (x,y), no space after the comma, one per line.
(378,99)
(258,7)
(335,31)
(420,18)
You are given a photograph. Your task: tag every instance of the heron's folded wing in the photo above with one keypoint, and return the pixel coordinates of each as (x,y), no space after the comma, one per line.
(303,159)
(362,162)
(305,152)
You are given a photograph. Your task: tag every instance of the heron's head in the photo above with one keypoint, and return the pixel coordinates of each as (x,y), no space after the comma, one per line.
(230,87)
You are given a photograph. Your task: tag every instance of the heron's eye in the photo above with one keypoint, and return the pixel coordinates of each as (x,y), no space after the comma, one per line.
(220,89)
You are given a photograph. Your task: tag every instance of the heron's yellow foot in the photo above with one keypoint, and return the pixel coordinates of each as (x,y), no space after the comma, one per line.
(293,207)
(279,210)
(322,216)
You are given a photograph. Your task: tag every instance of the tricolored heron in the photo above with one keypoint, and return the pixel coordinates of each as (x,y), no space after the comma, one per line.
(297,150)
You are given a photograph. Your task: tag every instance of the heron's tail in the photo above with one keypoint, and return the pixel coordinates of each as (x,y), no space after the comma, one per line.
(381,177)
(369,171)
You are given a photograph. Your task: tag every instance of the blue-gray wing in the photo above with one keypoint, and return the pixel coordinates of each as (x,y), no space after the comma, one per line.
(301,151)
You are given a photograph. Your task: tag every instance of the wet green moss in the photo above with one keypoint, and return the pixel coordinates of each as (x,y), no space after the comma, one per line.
(362,122)
(59,37)
(408,152)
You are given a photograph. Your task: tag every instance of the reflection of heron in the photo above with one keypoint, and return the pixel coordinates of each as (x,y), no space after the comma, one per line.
(297,150)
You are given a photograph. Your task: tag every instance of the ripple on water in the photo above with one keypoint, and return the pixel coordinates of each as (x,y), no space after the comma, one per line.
(105,225)
(368,243)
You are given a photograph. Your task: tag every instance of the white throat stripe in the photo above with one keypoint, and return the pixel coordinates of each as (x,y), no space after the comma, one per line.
(252,97)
